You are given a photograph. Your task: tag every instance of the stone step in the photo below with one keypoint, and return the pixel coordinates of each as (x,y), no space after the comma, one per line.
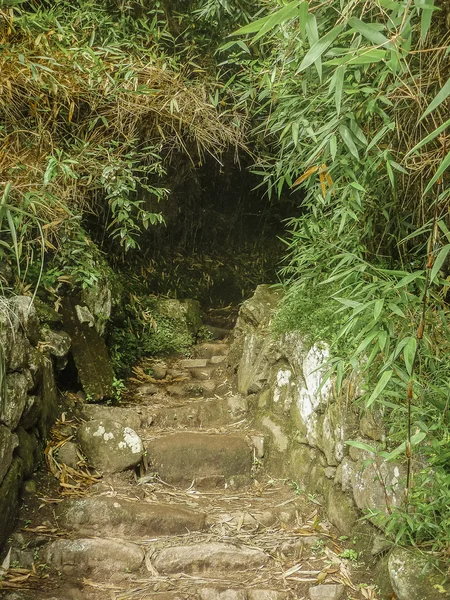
(115,517)
(204,593)
(193,363)
(204,558)
(216,460)
(203,373)
(212,593)
(209,349)
(200,413)
(128,417)
(94,557)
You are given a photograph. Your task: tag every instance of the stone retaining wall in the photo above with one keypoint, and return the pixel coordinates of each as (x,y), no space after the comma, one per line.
(33,347)
(307,424)
(28,399)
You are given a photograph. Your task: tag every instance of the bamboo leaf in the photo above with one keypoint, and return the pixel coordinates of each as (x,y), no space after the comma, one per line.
(369,30)
(382,383)
(265,24)
(320,47)
(340,72)
(378,308)
(303,16)
(429,138)
(442,167)
(428,8)
(416,439)
(409,353)
(439,99)
(440,258)
(408,279)
(333,146)
(397,310)
(361,446)
(312,33)
(348,140)
(364,56)
(13,232)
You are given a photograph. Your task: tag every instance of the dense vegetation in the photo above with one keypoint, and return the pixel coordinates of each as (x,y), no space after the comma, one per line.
(340,110)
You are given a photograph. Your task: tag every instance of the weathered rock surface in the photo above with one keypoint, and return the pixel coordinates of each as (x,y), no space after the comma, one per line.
(12,406)
(327,592)
(9,498)
(105,516)
(68,454)
(89,352)
(186,312)
(210,460)
(8,441)
(128,417)
(109,446)
(96,555)
(414,578)
(207,557)
(208,350)
(56,342)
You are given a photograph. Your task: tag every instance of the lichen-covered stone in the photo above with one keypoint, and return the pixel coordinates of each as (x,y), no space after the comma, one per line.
(14,400)
(413,577)
(48,399)
(27,451)
(68,455)
(128,417)
(8,441)
(57,343)
(23,308)
(362,479)
(109,446)
(186,312)
(89,352)
(9,499)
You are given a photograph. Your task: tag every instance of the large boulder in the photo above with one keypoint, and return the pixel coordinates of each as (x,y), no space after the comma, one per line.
(413,577)
(109,446)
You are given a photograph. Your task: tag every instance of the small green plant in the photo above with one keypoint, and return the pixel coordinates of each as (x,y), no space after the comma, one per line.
(318,547)
(296,487)
(349,554)
(119,387)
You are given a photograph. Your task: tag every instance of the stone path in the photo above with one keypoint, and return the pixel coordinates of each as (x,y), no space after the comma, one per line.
(182,508)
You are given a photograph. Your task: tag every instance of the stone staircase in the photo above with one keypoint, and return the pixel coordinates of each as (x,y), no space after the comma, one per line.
(197,518)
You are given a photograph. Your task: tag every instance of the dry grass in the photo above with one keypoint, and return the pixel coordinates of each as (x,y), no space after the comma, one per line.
(88,105)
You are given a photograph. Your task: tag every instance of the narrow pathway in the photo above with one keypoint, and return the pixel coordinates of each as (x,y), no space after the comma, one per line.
(198,519)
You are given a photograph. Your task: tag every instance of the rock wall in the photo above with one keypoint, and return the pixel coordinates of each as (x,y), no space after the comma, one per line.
(33,348)
(307,423)
(28,398)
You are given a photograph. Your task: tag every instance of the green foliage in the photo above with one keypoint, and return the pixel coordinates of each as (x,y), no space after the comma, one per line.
(353,112)
(78,263)
(93,105)
(310,312)
(141,331)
